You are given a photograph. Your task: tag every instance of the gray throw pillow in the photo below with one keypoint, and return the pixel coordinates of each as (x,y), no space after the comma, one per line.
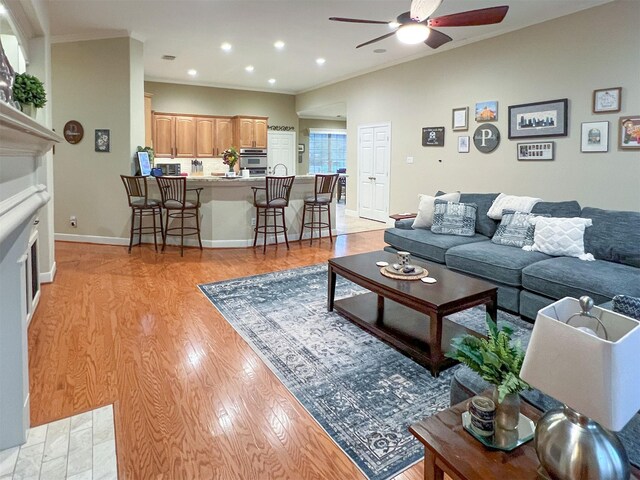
(454,218)
(514,229)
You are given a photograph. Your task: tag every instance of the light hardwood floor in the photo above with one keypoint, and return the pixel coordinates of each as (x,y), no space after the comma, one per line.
(192,400)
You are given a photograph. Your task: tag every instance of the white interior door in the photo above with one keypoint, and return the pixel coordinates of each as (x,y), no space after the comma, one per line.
(281,151)
(374,160)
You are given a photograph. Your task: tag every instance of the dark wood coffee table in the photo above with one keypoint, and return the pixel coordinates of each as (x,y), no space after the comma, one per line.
(450,449)
(409,314)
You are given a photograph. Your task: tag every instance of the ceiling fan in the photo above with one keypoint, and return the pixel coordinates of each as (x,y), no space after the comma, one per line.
(417,25)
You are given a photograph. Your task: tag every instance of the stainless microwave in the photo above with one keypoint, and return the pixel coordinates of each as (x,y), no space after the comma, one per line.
(171,169)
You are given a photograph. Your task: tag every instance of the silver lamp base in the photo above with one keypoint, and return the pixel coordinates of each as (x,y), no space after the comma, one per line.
(571,446)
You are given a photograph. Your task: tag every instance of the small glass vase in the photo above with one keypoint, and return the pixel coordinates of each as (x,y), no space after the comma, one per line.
(507,411)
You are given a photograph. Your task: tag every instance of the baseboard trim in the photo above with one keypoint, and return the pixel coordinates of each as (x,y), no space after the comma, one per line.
(173,241)
(47,277)
(351,213)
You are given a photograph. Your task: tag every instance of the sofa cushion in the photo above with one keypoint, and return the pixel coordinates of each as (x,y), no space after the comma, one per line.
(614,236)
(425,243)
(493,262)
(454,218)
(557,209)
(570,277)
(404,223)
(484,225)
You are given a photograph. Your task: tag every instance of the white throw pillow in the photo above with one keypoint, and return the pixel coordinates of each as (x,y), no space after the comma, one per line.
(560,236)
(511,202)
(424,219)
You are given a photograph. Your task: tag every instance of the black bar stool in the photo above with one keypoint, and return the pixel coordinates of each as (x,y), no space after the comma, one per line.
(173,191)
(276,199)
(141,206)
(342,185)
(318,203)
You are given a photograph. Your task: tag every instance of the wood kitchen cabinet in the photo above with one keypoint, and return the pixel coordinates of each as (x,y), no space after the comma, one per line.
(213,136)
(250,132)
(174,136)
(148,121)
(223,137)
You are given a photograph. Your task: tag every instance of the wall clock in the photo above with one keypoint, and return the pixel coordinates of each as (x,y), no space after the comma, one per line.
(73,132)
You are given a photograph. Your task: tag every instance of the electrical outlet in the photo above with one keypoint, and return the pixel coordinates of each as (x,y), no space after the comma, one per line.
(73,221)
(253,222)
(409,160)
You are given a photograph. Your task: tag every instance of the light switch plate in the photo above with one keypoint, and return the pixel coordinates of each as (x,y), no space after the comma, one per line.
(409,159)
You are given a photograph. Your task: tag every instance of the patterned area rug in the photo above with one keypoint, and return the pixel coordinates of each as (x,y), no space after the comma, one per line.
(364,393)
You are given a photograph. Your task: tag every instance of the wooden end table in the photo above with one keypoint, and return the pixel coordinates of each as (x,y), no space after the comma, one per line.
(408,314)
(450,449)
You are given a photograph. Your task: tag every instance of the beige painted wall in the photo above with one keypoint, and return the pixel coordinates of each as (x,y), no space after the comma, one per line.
(565,58)
(94,83)
(305,124)
(176,98)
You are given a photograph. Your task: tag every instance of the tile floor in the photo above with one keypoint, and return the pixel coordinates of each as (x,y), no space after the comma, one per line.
(82,447)
(347,224)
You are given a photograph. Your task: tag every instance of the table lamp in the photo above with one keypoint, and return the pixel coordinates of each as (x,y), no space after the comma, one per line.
(587,358)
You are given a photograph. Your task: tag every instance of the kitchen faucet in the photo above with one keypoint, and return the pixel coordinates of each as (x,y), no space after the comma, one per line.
(286,170)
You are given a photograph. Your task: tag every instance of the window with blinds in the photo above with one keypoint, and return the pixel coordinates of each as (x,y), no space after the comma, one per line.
(327,150)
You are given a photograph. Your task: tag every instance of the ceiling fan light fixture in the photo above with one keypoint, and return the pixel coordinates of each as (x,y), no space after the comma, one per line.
(394,24)
(413,33)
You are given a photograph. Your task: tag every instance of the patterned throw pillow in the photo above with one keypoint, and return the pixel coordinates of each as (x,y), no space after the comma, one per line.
(454,218)
(424,219)
(515,230)
(560,236)
(626,305)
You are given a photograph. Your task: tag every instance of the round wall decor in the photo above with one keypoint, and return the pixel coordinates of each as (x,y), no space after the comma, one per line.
(486,138)
(73,132)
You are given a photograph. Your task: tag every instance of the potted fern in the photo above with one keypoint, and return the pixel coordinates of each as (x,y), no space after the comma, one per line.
(498,361)
(29,92)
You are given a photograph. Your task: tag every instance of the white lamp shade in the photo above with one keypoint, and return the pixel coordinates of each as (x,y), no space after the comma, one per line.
(596,377)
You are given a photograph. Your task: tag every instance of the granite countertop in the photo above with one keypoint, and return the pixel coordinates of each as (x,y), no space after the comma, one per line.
(230,181)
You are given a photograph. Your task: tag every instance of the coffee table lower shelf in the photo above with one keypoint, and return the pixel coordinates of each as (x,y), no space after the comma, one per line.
(405,329)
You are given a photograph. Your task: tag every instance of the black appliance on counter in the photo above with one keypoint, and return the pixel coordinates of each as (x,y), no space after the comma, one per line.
(254,160)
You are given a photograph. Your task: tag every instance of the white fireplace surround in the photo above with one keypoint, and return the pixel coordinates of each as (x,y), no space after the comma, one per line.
(23,143)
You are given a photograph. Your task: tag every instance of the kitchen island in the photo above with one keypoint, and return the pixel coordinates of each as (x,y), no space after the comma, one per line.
(227,210)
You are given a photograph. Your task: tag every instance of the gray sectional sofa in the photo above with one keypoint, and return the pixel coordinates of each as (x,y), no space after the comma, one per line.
(528,281)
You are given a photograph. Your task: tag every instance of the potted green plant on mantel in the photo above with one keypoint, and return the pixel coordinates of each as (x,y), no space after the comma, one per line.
(29,92)
(498,361)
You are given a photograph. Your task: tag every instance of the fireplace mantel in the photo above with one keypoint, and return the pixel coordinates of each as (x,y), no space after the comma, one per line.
(23,145)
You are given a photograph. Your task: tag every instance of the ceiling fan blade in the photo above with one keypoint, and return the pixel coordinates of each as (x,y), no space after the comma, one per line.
(483,16)
(422,9)
(357,20)
(437,39)
(376,39)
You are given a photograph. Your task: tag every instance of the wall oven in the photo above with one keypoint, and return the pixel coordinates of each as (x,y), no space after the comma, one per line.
(254,160)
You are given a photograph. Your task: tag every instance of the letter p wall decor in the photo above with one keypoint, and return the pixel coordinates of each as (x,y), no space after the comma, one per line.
(486,138)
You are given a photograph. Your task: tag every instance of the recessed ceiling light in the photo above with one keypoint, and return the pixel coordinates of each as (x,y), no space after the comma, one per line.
(279,44)
(380,50)
(249,68)
(320,61)
(226,46)
(272,81)
(192,72)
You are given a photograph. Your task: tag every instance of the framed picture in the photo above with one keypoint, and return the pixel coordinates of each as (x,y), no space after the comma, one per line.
(535,151)
(460,119)
(630,131)
(144,163)
(486,111)
(301,148)
(463,144)
(595,137)
(103,140)
(607,100)
(541,119)
(433,137)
